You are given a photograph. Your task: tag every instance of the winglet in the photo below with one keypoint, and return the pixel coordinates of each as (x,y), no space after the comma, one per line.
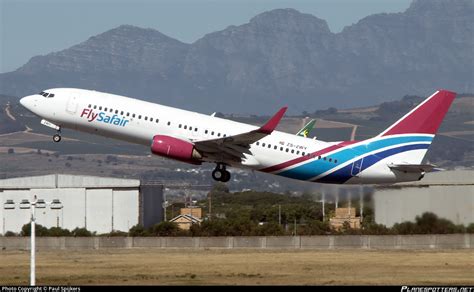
(273,122)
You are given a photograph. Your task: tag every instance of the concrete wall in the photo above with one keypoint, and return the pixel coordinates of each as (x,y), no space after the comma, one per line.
(438,241)
(399,204)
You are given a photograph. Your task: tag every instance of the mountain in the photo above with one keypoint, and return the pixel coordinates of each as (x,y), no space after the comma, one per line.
(280,57)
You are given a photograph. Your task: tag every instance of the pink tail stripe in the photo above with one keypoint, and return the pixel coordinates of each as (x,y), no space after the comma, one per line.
(307,157)
(426,117)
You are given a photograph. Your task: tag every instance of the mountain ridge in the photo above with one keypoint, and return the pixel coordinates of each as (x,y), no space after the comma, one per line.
(279,57)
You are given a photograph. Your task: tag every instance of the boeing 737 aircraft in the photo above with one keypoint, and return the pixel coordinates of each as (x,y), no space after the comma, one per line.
(395,155)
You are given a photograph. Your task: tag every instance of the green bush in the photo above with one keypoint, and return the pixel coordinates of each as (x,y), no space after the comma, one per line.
(269,229)
(81,232)
(165,229)
(138,230)
(57,231)
(428,223)
(314,227)
(470,228)
(40,230)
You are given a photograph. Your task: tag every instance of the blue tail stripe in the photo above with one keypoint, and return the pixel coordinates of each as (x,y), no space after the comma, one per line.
(344,174)
(316,167)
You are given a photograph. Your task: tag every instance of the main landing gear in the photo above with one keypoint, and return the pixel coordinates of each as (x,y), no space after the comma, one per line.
(220,173)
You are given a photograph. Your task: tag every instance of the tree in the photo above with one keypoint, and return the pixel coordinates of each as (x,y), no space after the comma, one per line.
(165,228)
(81,232)
(138,230)
(58,231)
(40,230)
(269,229)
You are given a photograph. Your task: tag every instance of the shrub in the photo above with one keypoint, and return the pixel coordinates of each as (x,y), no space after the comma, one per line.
(81,232)
(10,234)
(138,230)
(165,229)
(470,228)
(269,229)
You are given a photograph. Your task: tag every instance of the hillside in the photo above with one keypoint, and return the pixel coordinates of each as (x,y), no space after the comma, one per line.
(279,57)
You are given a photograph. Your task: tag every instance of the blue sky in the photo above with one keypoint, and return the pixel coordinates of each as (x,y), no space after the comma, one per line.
(38,27)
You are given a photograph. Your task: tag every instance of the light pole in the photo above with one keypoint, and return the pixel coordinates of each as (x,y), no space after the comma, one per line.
(54,205)
(33,243)
(165,205)
(279,215)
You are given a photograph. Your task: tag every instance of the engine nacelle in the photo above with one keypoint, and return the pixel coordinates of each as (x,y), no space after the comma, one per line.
(175,148)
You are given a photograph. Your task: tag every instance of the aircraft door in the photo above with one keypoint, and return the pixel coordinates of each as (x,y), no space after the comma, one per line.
(71,106)
(357,167)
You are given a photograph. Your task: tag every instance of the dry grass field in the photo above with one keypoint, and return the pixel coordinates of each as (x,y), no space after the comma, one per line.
(240,267)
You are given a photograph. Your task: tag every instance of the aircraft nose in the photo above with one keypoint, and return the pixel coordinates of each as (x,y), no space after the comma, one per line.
(27,101)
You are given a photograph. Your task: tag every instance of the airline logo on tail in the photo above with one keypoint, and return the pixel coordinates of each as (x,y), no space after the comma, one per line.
(102,117)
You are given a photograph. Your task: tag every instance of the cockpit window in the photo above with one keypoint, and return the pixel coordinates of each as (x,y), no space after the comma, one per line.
(46,94)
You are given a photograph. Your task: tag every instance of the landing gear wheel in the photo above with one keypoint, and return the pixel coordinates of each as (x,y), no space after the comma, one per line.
(56,138)
(217,175)
(225,176)
(220,173)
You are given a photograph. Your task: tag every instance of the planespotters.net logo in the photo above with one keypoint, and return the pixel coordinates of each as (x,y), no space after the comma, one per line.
(436,289)
(102,117)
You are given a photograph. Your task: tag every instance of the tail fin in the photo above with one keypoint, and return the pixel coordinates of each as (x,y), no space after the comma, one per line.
(304,132)
(414,132)
(424,118)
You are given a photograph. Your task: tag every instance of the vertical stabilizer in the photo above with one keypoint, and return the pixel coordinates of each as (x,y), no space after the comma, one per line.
(425,118)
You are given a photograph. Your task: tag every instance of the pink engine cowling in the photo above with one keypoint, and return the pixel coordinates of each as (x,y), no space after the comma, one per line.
(175,148)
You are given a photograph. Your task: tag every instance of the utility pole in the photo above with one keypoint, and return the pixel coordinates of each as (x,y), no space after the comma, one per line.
(210,205)
(164,213)
(361,191)
(324,214)
(279,215)
(295,227)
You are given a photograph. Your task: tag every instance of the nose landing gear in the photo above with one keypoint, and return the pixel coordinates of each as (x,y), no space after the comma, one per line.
(57,137)
(220,173)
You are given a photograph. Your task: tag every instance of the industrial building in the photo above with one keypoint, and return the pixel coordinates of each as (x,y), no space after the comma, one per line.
(98,204)
(448,194)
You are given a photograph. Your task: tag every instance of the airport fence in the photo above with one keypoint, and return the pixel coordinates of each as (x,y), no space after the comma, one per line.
(436,241)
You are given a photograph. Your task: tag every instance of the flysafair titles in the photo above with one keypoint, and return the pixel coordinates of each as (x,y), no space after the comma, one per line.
(102,117)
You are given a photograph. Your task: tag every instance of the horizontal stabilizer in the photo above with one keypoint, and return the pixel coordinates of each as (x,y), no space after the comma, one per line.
(414,167)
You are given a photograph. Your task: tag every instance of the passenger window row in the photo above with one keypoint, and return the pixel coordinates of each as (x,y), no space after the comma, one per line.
(218,134)
(187,128)
(292,151)
(128,114)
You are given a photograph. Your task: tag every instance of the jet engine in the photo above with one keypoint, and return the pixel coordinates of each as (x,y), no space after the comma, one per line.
(175,148)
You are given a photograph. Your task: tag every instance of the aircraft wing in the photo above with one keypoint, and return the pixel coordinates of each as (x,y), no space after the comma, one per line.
(414,167)
(234,147)
(304,132)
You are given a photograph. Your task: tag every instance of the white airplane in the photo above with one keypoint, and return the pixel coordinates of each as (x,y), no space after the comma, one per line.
(395,155)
